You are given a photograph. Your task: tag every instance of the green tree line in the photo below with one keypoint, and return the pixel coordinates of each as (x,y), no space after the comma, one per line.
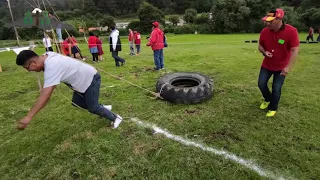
(203,16)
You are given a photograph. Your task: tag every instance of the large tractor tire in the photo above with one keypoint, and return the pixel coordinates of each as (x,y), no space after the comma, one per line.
(185,88)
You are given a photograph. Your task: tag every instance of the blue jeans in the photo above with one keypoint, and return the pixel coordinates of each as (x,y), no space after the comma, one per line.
(138,48)
(90,100)
(158,58)
(277,83)
(117,59)
(131,48)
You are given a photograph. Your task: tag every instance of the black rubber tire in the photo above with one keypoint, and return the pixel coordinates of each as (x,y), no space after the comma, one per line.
(172,86)
(247,41)
(303,42)
(254,41)
(313,42)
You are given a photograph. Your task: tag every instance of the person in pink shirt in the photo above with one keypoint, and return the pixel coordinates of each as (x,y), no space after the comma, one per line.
(93,47)
(137,41)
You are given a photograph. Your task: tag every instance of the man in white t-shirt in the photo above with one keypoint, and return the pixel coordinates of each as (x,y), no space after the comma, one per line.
(82,78)
(47,43)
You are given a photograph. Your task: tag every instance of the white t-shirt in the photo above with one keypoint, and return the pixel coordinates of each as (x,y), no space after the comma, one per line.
(47,42)
(59,68)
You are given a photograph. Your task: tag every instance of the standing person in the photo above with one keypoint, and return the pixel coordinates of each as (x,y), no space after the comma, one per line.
(279,43)
(92,43)
(137,41)
(156,42)
(66,47)
(115,46)
(47,43)
(310,36)
(99,44)
(74,47)
(83,78)
(131,41)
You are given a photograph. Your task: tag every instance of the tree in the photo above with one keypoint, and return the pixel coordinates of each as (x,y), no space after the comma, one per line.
(174,19)
(148,14)
(190,15)
(107,21)
(202,19)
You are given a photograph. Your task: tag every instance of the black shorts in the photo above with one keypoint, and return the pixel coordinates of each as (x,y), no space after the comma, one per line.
(74,50)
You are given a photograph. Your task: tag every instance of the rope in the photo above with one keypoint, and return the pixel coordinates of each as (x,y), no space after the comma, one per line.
(34,3)
(152,112)
(30,4)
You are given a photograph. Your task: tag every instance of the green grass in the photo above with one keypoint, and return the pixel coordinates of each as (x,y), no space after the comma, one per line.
(63,142)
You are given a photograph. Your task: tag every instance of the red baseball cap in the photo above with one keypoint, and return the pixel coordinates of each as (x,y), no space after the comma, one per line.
(156,24)
(278,13)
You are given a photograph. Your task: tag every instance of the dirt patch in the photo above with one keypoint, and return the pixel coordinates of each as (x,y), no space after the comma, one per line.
(224,134)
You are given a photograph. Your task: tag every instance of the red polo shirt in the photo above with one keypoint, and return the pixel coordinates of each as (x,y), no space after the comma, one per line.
(279,44)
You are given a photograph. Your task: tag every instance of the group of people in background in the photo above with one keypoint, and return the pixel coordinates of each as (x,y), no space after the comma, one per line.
(157,41)
(134,41)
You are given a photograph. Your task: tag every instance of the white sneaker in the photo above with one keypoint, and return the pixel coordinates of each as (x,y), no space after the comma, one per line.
(117,122)
(109,107)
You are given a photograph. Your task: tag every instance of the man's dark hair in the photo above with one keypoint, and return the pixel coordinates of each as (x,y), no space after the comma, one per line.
(91,33)
(112,27)
(24,56)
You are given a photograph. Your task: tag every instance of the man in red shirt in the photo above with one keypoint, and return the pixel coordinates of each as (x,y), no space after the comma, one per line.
(137,41)
(131,42)
(156,41)
(279,43)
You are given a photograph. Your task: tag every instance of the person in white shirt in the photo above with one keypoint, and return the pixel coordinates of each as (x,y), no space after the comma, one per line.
(47,43)
(82,78)
(115,46)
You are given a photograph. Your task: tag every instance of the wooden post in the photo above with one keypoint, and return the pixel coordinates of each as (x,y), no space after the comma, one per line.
(14,26)
(0,68)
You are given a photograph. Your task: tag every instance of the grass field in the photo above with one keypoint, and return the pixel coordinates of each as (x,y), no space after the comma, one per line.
(63,142)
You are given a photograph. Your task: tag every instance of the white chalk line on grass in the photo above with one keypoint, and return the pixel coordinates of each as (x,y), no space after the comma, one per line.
(246,163)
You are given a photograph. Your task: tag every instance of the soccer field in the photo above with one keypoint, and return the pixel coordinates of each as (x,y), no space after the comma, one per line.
(226,137)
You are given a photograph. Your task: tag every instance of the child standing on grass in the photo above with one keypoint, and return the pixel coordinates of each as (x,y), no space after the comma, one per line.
(66,47)
(137,41)
(74,47)
(99,45)
(93,47)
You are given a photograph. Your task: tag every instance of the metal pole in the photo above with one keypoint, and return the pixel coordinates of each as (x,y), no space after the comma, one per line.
(14,26)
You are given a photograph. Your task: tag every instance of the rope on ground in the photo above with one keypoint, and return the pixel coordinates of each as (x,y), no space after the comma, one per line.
(157,95)
(149,113)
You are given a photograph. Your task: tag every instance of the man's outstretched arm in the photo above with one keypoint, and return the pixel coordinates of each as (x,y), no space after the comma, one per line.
(41,102)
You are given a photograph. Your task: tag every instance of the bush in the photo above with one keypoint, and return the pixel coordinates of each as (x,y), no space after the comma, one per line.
(174,19)
(123,32)
(202,19)
(190,15)
(134,25)
(205,29)
(185,29)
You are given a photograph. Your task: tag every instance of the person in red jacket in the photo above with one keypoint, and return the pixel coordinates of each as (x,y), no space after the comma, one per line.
(137,41)
(66,47)
(92,43)
(156,41)
(279,44)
